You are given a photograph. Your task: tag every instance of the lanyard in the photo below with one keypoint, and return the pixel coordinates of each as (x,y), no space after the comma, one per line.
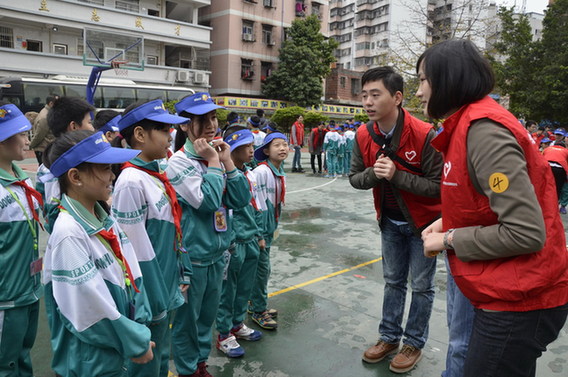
(30,224)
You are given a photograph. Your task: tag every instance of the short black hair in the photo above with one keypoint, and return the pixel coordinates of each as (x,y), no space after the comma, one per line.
(391,80)
(232,116)
(458,75)
(103,117)
(529,123)
(260,113)
(66,110)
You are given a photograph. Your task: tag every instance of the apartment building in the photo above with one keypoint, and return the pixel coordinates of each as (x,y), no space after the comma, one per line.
(44,38)
(246,37)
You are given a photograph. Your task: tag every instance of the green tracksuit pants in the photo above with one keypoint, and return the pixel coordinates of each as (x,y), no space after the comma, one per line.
(259,293)
(238,285)
(18,328)
(191,332)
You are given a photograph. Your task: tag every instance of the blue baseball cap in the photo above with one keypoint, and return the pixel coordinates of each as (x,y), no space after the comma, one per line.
(12,121)
(545,140)
(559,131)
(239,138)
(94,149)
(259,154)
(111,125)
(198,104)
(153,110)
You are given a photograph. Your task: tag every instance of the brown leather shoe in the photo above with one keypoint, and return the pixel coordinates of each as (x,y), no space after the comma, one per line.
(406,359)
(379,351)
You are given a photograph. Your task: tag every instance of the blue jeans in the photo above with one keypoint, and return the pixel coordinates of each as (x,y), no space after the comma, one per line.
(403,252)
(460,316)
(507,344)
(296,162)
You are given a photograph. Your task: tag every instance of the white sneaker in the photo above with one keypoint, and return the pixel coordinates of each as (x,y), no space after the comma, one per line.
(246,333)
(230,347)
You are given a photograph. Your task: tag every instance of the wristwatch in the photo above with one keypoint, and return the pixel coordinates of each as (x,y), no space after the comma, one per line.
(449,239)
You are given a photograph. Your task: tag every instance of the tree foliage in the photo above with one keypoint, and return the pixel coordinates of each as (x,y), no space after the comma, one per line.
(549,92)
(305,59)
(285,117)
(514,63)
(313,118)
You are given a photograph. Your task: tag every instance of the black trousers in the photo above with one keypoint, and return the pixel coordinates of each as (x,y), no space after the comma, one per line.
(312,161)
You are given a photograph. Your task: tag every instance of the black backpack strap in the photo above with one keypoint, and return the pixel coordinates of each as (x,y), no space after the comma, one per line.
(387,151)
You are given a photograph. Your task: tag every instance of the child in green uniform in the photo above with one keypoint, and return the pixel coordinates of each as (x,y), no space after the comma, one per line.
(209,187)
(96,304)
(146,207)
(271,181)
(20,265)
(247,238)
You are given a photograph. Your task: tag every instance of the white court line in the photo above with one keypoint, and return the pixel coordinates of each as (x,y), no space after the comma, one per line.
(311,188)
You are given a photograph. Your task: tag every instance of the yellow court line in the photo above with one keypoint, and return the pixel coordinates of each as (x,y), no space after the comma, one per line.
(322,278)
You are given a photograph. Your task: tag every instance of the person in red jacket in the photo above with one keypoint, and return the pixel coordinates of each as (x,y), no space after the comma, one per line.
(557,157)
(316,146)
(297,142)
(392,155)
(500,225)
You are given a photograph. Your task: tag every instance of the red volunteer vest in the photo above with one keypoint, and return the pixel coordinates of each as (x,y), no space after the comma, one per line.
(522,283)
(423,210)
(557,153)
(299,129)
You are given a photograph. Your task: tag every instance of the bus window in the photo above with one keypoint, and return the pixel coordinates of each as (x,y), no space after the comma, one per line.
(151,94)
(118,98)
(35,94)
(75,91)
(176,95)
(98,100)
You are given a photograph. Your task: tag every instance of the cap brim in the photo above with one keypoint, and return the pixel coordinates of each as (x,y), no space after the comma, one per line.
(240,143)
(14,126)
(114,156)
(202,109)
(168,118)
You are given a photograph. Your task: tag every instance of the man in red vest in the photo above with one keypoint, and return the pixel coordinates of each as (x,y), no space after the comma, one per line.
(297,142)
(316,146)
(392,155)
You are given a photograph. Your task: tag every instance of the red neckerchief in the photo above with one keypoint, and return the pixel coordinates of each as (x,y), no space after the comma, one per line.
(282,191)
(31,193)
(112,240)
(170,192)
(252,201)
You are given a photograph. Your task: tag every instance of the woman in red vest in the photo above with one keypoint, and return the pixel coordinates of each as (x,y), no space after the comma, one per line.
(500,225)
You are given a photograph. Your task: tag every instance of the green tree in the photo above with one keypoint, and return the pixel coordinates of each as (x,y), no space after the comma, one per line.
(285,117)
(550,90)
(305,59)
(513,60)
(313,118)
(363,118)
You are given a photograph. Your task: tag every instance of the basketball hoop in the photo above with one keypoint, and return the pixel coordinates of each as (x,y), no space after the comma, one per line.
(118,70)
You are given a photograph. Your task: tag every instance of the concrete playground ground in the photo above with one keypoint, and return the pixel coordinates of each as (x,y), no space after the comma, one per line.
(327,286)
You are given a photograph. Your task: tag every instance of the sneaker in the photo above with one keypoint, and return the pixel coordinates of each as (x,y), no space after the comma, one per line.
(271,312)
(300,170)
(406,359)
(264,320)
(246,333)
(294,170)
(563,210)
(230,347)
(202,370)
(379,351)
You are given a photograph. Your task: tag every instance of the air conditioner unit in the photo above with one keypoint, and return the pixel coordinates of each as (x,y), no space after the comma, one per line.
(199,78)
(182,76)
(271,42)
(248,37)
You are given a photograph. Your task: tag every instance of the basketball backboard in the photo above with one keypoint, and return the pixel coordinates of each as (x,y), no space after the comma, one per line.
(101,48)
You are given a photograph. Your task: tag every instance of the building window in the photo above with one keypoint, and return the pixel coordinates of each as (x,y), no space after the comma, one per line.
(316,9)
(300,8)
(128,5)
(34,45)
(355,87)
(248,31)
(247,72)
(152,59)
(6,37)
(265,70)
(80,49)
(342,81)
(96,2)
(267,35)
(250,1)
(268,3)
(153,12)
(59,49)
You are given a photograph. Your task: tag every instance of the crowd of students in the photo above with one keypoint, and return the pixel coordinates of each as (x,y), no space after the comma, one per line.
(144,258)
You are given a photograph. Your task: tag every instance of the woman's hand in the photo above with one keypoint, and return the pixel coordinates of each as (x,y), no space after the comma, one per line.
(203,149)
(147,357)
